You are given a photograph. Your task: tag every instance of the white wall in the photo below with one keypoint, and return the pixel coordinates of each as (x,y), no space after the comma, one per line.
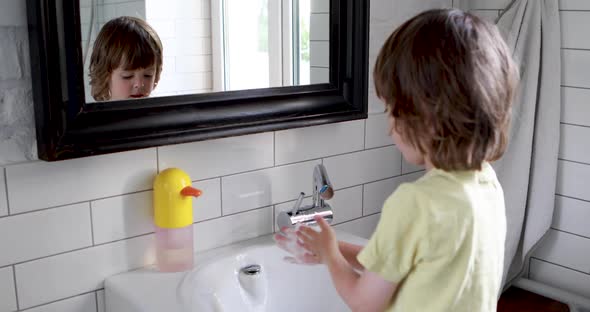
(563,258)
(185,30)
(65,226)
(319,42)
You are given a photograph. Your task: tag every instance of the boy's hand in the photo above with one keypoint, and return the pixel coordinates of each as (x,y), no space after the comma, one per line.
(322,244)
(284,242)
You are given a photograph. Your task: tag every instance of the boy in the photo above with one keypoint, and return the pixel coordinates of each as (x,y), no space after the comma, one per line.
(447,80)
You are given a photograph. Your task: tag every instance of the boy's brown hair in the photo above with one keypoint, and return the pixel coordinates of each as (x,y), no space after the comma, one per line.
(448,79)
(123,41)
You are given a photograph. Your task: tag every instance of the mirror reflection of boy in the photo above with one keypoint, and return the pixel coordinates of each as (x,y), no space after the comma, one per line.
(126,60)
(447,80)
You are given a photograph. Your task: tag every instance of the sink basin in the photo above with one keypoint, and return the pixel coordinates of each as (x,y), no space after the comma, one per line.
(246,276)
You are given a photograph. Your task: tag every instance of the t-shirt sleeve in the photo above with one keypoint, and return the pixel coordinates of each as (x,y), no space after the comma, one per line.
(399,241)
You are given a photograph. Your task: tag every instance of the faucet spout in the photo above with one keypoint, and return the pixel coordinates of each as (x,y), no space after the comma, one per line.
(322,190)
(322,187)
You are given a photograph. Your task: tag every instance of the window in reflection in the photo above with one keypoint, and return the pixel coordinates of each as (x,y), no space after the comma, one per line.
(264,44)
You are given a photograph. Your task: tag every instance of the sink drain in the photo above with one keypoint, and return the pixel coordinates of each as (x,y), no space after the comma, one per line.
(253,269)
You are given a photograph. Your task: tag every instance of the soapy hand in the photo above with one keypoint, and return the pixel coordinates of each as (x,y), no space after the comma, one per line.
(287,240)
(323,243)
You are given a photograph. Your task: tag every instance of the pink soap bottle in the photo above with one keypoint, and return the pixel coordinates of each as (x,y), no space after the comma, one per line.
(173,220)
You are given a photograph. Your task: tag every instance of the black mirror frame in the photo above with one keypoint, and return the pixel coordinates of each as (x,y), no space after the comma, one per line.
(68,128)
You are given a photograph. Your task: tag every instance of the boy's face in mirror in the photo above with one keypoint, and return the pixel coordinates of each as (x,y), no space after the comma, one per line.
(134,83)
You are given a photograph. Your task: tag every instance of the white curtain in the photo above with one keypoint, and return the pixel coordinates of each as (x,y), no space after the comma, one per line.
(528,170)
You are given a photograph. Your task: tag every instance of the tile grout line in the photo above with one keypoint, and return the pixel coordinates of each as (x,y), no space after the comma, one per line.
(6,190)
(575,87)
(362,200)
(561,266)
(575,49)
(62,299)
(365,134)
(75,203)
(221,195)
(575,125)
(15,287)
(96,299)
(358,218)
(157,160)
(78,249)
(91,223)
(574,161)
(571,197)
(570,233)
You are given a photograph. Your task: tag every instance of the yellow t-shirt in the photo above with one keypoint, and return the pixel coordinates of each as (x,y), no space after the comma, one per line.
(441,239)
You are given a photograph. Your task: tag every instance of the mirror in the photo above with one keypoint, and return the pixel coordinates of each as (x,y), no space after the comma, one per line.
(210,45)
(321,76)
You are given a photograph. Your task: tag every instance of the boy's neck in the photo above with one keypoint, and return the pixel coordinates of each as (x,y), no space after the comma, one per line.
(428,165)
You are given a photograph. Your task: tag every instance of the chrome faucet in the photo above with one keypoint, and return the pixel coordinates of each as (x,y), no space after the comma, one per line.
(322,190)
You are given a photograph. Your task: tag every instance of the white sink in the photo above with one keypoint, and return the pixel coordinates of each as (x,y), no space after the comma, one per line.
(218,283)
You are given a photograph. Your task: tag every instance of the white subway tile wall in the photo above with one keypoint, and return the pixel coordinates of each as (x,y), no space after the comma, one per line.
(571,23)
(43,233)
(72,181)
(377,131)
(311,143)
(569,145)
(203,160)
(266,187)
(575,68)
(73,223)
(100,301)
(7,290)
(488,4)
(565,249)
(364,167)
(64,275)
(488,15)
(362,227)
(562,259)
(86,302)
(582,5)
(321,53)
(568,213)
(560,277)
(233,228)
(574,106)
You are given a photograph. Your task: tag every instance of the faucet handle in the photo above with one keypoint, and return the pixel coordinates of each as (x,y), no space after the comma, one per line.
(297,204)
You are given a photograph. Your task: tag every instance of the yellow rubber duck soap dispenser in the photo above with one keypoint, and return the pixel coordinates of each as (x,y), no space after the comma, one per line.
(173,219)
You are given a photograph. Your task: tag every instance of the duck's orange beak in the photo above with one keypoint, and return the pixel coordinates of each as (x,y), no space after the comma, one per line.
(190,191)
